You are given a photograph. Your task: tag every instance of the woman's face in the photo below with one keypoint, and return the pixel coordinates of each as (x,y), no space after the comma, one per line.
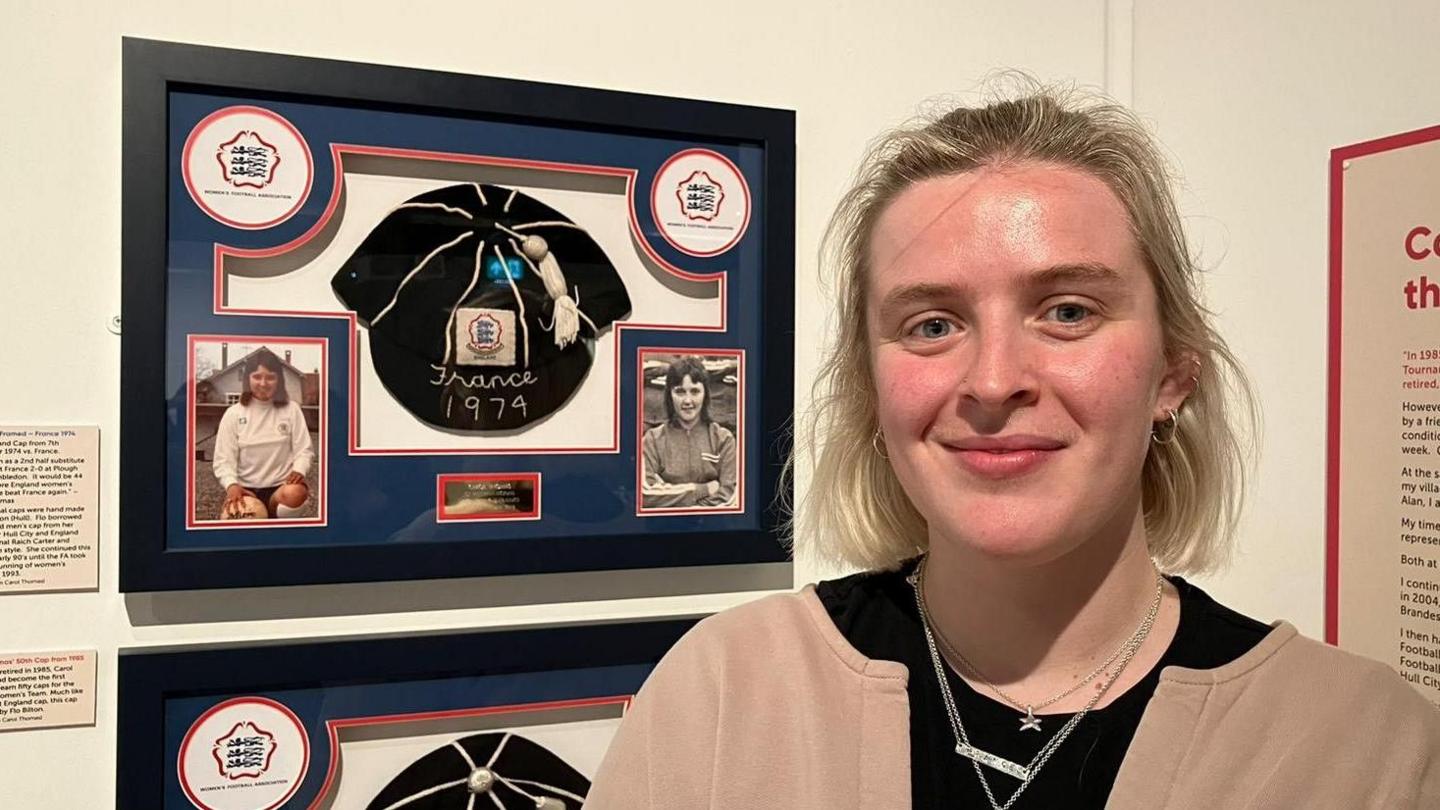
(1017,352)
(263,382)
(688,398)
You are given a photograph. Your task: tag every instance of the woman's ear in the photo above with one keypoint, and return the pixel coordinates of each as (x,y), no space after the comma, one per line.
(1182,377)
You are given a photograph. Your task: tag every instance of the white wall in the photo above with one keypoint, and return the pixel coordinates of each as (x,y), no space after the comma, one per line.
(1248,97)
(1251,97)
(848,69)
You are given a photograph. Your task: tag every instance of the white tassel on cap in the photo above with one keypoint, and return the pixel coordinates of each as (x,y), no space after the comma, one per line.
(566,321)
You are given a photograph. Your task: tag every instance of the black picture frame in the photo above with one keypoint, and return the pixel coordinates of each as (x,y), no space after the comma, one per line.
(153,70)
(357,681)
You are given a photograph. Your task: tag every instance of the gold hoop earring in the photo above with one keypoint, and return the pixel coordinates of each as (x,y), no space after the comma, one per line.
(1157,430)
(875,443)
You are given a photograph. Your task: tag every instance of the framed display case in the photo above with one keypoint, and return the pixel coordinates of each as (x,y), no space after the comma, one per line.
(507,719)
(387,324)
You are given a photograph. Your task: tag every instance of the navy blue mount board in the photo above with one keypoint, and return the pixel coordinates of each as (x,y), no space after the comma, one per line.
(382,682)
(389,480)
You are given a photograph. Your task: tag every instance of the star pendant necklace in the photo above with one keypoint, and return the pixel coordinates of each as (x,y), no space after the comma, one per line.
(966,748)
(1029,722)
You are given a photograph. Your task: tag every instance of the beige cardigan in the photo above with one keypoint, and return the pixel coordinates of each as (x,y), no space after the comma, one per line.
(768,706)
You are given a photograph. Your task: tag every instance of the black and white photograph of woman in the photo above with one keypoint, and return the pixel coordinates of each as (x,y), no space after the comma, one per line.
(689,454)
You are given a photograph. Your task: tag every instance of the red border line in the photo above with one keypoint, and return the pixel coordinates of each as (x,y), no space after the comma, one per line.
(322,452)
(338,152)
(333,727)
(1338,157)
(1332,407)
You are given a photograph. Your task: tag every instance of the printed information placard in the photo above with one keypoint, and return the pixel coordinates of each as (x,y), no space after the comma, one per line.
(49,494)
(46,690)
(1383,521)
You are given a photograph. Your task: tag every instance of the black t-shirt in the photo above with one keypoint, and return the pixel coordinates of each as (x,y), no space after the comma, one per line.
(876,613)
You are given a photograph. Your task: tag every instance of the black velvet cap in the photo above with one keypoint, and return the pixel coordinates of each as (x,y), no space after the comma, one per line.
(456,342)
(523,775)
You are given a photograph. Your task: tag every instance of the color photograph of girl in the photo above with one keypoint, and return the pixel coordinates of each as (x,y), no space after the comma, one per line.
(689,454)
(256,428)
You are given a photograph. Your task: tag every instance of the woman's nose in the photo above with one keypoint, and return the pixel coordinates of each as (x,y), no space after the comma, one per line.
(999,372)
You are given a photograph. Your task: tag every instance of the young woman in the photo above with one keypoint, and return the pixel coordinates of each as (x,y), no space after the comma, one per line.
(689,459)
(1022,436)
(262,448)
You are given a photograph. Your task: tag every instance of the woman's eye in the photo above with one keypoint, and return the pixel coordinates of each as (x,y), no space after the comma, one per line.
(932,328)
(1068,313)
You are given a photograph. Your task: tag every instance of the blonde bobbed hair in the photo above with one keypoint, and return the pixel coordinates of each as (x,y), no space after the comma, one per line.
(855,512)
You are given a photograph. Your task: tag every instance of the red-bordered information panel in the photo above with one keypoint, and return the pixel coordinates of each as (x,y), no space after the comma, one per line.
(1383,466)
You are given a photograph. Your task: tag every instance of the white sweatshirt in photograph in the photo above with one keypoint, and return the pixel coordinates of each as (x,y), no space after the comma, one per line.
(258,445)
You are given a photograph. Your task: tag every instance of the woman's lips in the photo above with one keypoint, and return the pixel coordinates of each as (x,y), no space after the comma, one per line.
(1004,463)
(1008,457)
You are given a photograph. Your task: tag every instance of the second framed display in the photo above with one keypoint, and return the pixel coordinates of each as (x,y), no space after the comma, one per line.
(501,719)
(445,325)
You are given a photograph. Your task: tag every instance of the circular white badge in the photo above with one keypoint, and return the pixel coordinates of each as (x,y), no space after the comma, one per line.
(247,167)
(700,202)
(247,753)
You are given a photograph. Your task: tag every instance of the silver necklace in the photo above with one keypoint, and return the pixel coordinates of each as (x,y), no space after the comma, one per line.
(977,756)
(1029,722)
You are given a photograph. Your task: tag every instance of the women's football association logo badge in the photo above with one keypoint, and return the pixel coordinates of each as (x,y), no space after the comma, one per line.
(700,202)
(248,753)
(247,167)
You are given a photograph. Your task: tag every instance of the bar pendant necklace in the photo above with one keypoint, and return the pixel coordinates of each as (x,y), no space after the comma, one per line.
(978,756)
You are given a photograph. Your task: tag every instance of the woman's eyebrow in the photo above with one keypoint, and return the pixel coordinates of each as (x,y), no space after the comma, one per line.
(1087,272)
(918,293)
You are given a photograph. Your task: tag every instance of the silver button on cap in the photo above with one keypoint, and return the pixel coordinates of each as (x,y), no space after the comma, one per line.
(481,780)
